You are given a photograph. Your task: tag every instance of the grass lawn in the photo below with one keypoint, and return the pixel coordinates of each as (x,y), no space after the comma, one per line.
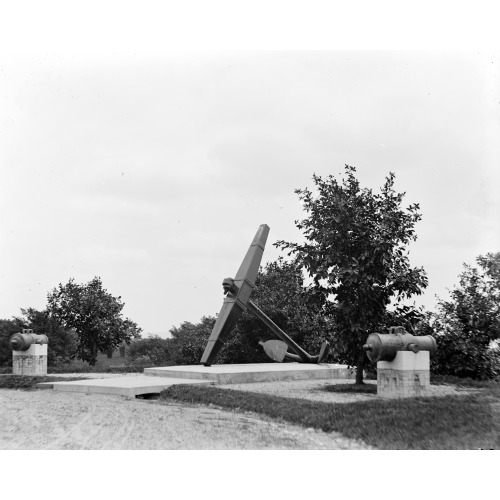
(469,421)
(115,364)
(28,382)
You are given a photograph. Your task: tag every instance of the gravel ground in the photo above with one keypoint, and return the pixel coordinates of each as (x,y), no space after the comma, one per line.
(305,389)
(314,390)
(50,420)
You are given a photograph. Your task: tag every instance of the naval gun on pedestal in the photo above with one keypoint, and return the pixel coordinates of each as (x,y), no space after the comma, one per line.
(238,291)
(29,353)
(403,362)
(23,341)
(385,346)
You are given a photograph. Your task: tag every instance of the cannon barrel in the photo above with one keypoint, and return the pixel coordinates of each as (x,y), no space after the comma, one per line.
(23,341)
(385,346)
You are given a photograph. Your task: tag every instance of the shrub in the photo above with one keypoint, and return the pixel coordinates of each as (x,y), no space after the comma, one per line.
(468,322)
(7,328)
(460,354)
(152,351)
(189,340)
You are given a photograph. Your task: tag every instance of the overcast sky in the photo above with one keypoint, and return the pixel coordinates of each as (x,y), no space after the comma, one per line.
(155,172)
(136,147)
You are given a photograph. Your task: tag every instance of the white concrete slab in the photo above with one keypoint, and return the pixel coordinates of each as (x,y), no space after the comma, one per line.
(253,372)
(156,380)
(124,386)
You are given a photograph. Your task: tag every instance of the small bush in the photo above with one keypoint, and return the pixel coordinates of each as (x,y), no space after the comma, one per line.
(188,341)
(151,351)
(460,354)
(467,323)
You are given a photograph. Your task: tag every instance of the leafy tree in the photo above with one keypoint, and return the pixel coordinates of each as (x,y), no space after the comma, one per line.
(189,340)
(62,341)
(94,314)
(490,264)
(356,254)
(7,328)
(466,324)
(152,350)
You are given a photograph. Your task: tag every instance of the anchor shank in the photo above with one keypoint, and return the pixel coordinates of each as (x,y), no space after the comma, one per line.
(236,301)
(304,356)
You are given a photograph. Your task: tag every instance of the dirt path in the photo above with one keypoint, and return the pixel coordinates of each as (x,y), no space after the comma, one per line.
(50,420)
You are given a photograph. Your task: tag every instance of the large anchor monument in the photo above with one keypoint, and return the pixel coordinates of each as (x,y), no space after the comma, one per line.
(237,300)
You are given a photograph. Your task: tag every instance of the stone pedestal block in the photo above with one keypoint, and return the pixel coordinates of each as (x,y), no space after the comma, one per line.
(408,375)
(30,362)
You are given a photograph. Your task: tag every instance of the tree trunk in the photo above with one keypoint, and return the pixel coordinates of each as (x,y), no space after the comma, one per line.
(360,364)
(93,355)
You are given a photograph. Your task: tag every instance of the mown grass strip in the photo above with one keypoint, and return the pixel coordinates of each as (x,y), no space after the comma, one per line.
(449,422)
(464,382)
(84,369)
(97,369)
(28,382)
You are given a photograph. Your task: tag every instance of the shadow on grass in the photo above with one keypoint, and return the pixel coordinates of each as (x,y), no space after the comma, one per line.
(449,422)
(351,388)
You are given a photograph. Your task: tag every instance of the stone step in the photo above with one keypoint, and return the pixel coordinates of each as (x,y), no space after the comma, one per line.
(156,380)
(253,372)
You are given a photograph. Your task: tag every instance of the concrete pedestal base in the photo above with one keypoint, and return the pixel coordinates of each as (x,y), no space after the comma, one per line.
(30,362)
(407,376)
(156,380)
(253,372)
